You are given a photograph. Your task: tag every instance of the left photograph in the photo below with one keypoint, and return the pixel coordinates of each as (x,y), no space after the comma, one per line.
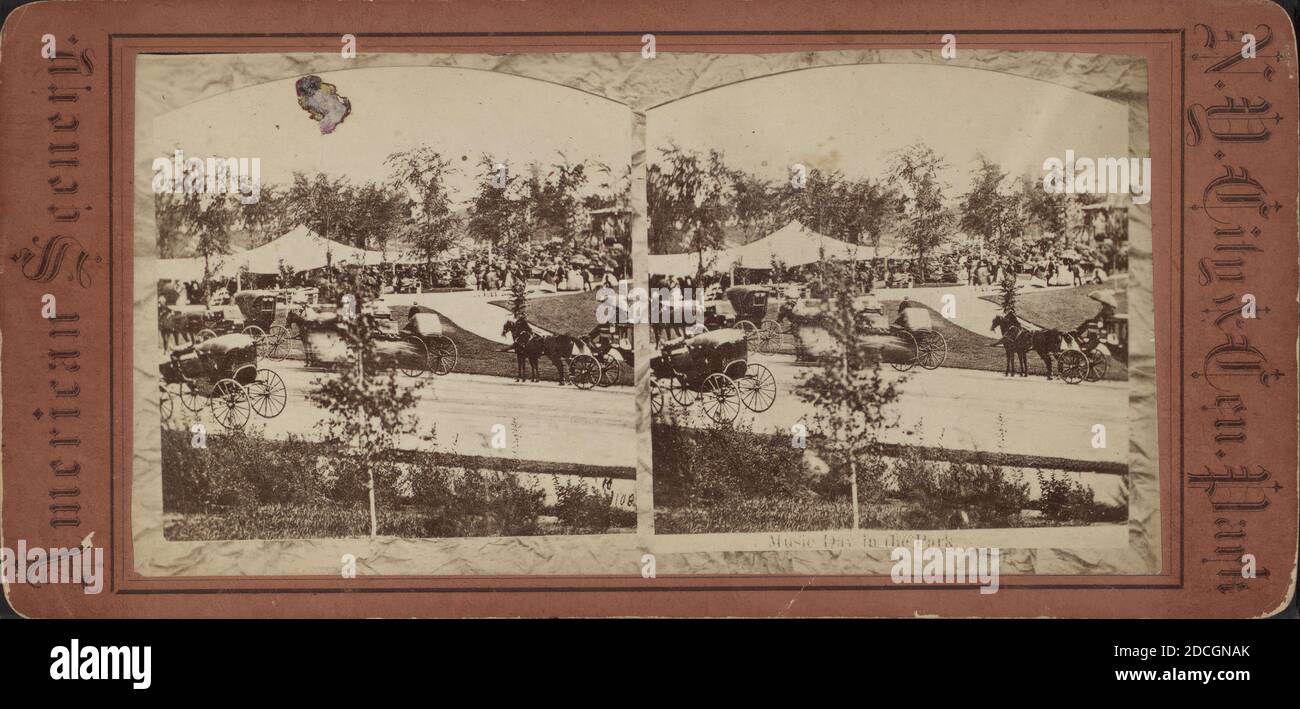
(377,294)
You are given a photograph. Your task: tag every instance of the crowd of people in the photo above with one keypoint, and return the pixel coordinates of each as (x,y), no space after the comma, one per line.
(561,265)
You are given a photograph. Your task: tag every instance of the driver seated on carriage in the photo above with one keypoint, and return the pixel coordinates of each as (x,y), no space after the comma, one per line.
(1091,331)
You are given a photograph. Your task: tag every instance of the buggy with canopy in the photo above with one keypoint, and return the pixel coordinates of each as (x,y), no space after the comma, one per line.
(713,369)
(223,370)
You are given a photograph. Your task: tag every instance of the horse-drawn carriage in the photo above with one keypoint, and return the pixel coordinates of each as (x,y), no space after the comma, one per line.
(224,371)
(743,308)
(922,344)
(1086,352)
(711,368)
(910,341)
(264,315)
(611,345)
(417,347)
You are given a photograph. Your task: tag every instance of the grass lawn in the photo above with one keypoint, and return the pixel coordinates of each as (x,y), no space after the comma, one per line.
(332,521)
(480,356)
(970,350)
(1065,308)
(568,314)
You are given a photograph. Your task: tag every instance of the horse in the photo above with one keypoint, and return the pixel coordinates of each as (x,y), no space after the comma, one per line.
(529,347)
(522,336)
(1018,340)
(176,324)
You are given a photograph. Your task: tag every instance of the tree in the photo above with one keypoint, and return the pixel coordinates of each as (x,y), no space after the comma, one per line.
(1007,294)
(266,218)
(519,298)
(210,217)
(686,202)
(367,411)
(431,225)
(172,225)
(498,214)
(849,393)
(927,222)
(320,203)
(990,213)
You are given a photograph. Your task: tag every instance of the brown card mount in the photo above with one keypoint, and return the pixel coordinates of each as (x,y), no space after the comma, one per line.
(535,309)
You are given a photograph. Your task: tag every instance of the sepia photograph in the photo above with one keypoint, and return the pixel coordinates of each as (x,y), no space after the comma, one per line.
(882,311)
(376,305)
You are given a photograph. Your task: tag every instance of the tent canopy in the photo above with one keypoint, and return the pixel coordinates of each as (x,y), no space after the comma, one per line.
(302,250)
(184,269)
(688,264)
(795,245)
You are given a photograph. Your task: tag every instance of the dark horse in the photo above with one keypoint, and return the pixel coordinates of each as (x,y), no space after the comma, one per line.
(529,347)
(1017,340)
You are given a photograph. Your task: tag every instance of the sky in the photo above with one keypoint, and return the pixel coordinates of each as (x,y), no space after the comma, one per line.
(849,118)
(462,113)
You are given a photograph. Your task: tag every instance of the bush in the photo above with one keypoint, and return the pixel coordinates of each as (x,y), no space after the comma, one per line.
(1064,499)
(968,493)
(580,507)
(723,463)
(472,503)
(238,469)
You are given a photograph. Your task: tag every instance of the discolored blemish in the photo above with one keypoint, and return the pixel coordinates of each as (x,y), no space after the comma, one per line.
(322,102)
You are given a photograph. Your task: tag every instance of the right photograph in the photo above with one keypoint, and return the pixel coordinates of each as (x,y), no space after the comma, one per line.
(892,297)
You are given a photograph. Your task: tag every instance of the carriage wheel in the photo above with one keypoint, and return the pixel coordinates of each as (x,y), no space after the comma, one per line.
(909,360)
(932,350)
(268,394)
(189,396)
(165,405)
(413,360)
(1097,365)
(610,370)
(230,404)
(584,371)
(656,397)
(746,328)
(277,346)
(258,336)
(204,334)
(443,356)
(757,388)
(769,334)
(720,398)
(1073,366)
(683,395)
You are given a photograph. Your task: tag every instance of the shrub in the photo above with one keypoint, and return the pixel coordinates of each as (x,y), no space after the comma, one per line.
(1064,499)
(581,507)
(722,463)
(967,493)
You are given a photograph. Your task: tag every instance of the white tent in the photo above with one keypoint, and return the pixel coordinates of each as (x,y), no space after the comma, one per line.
(688,264)
(796,245)
(184,269)
(302,250)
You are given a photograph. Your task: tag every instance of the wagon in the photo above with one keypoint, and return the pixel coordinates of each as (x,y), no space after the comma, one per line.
(923,345)
(611,348)
(440,350)
(913,342)
(712,369)
(749,305)
(1088,350)
(323,332)
(223,371)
